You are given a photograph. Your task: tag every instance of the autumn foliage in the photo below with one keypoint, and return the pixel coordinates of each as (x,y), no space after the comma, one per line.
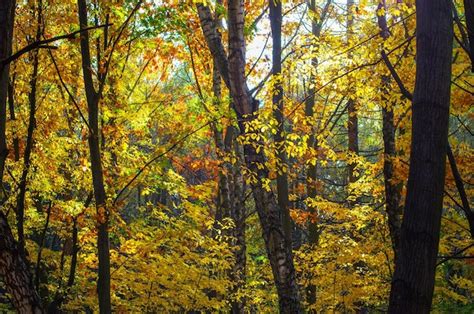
(185,231)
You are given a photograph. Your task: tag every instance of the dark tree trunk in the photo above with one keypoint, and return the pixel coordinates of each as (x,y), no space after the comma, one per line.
(232,70)
(278,112)
(230,202)
(13,267)
(469,13)
(61,295)
(15,273)
(277,245)
(352,119)
(462,192)
(103,283)
(413,281)
(40,248)
(311,174)
(7,13)
(239,215)
(20,201)
(392,191)
(11,106)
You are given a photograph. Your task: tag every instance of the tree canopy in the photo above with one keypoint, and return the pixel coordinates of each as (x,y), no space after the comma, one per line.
(236,156)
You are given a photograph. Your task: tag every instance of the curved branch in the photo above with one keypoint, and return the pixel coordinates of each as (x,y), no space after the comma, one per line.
(44,44)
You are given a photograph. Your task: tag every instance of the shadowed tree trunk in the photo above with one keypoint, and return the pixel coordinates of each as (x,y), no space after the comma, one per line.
(232,70)
(352,119)
(93,97)
(239,215)
(11,106)
(7,13)
(13,267)
(20,201)
(15,273)
(311,175)
(278,113)
(62,294)
(230,202)
(413,280)
(462,192)
(392,190)
(469,13)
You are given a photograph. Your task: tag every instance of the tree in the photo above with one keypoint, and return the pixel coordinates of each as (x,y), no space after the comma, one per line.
(279,113)
(7,13)
(413,280)
(311,173)
(352,119)
(392,189)
(13,265)
(190,167)
(93,99)
(232,70)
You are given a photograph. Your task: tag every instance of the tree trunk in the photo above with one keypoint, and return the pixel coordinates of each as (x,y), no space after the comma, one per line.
(15,273)
(61,294)
(352,119)
(230,202)
(277,245)
(20,201)
(278,113)
(13,267)
(11,106)
(462,192)
(311,174)
(41,243)
(7,13)
(232,71)
(413,281)
(103,283)
(392,191)
(239,216)
(469,13)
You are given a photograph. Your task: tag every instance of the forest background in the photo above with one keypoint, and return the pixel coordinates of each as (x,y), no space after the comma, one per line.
(134,181)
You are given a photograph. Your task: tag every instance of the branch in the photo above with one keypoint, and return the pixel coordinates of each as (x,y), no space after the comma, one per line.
(68,92)
(44,44)
(405,92)
(114,44)
(462,192)
(214,41)
(173,146)
(455,254)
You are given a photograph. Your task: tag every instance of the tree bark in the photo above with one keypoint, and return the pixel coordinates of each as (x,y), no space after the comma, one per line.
(232,70)
(311,173)
(392,191)
(61,295)
(15,273)
(462,192)
(41,246)
(12,263)
(11,106)
(239,216)
(278,113)
(352,119)
(7,13)
(230,203)
(413,280)
(469,13)
(20,201)
(103,283)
